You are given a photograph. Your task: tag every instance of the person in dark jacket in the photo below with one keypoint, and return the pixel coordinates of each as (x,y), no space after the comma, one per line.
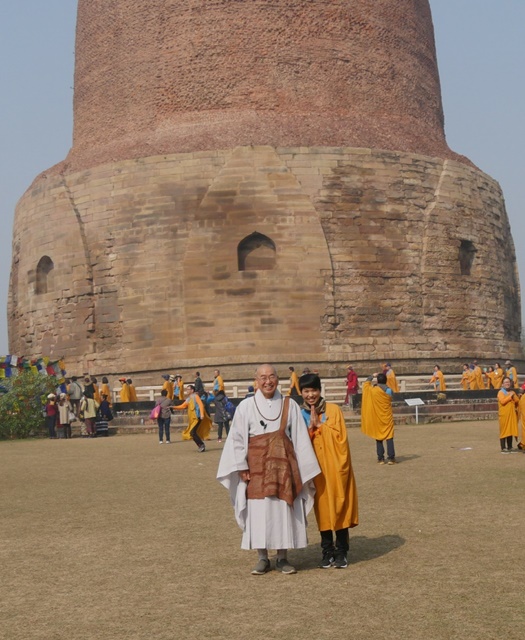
(221,418)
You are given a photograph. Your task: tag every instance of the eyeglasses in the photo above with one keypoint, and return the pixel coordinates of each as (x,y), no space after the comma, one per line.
(271,378)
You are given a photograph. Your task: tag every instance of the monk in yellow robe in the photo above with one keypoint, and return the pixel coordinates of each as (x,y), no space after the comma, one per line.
(168,385)
(124,392)
(377,418)
(512,374)
(391,380)
(199,422)
(478,376)
(438,380)
(218,382)
(178,388)
(96,390)
(489,376)
(466,378)
(132,391)
(508,419)
(498,376)
(336,506)
(294,383)
(105,390)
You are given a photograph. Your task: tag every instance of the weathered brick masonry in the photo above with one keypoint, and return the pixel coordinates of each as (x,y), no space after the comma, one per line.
(228,198)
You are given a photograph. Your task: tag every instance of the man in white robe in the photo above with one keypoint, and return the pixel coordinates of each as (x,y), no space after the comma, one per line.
(268,523)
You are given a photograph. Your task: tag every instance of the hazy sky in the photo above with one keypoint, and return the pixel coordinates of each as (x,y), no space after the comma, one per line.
(481,54)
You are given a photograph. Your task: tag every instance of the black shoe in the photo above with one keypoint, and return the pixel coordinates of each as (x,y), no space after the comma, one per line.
(340,561)
(328,560)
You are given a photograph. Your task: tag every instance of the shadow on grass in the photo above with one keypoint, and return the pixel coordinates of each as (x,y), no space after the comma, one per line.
(407,458)
(362,549)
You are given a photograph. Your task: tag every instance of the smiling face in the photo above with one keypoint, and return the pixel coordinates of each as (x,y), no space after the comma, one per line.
(506,383)
(267,380)
(311,396)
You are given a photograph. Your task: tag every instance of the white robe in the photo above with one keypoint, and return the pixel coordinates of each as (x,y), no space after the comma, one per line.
(269,523)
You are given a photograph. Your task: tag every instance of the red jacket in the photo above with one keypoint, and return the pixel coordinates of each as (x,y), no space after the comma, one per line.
(351,381)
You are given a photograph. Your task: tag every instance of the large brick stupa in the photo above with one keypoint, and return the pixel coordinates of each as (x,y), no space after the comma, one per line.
(256,181)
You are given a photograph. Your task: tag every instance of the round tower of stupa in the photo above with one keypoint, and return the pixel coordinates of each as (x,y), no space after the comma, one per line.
(261,181)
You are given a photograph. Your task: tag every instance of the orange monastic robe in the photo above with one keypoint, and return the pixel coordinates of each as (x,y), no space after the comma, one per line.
(105,390)
(96,393)
(294,384)
(132,394)
(169,388)
(124,393)
(498,378)
(205,426)
(466,379)
(478,378)
(508,418)
(377,419)
(336,505)
(439,381)
(391,381)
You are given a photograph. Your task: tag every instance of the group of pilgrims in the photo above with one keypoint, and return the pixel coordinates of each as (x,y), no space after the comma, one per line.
(475,378)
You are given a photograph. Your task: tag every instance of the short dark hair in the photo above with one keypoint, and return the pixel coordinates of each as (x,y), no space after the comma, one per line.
(381,378)
(164,392)
(104,380)
(310,381)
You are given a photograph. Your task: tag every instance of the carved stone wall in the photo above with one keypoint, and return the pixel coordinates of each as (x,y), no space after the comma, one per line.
(261,181)
(366,265)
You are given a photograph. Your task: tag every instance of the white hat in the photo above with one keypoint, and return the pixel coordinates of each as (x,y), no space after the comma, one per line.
(50,396)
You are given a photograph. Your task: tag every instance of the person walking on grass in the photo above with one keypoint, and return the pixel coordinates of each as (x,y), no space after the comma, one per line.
(199,422)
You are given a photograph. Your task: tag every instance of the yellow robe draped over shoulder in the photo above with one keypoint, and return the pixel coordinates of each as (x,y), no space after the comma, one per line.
(478,377)
(132,394)
(439,377)
(124,393)
(205,426)
(336,505)
(465,380)
(498,378)
(96,394)
(169,388)
(508,419)
(391,381)
(106,391)
(377,419)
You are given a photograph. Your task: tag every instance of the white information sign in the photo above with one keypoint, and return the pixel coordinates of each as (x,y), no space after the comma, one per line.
(415,402)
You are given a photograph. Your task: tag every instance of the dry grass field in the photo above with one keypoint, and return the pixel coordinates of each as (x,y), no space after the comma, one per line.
(121,538)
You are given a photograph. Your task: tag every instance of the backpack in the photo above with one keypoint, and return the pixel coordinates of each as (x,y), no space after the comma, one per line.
(229,407)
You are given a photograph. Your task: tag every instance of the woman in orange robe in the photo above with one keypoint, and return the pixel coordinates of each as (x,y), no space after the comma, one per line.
(335,505)
(466,378)
(508,419)
(498,376)
(438,380)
